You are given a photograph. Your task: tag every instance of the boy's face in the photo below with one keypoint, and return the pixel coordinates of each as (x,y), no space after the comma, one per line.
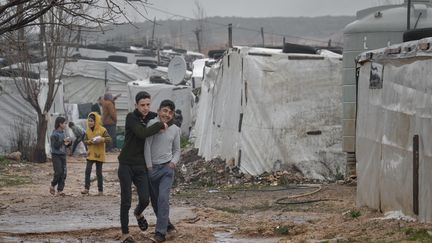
(91,123)
(63,125)
(165,114)
(143,106)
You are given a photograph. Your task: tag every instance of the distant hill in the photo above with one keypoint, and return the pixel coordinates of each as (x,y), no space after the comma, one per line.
(246,31)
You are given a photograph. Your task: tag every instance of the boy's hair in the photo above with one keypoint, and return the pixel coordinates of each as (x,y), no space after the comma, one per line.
(71,124)
(92,116)
(167,103)
(59,120)
(141,95)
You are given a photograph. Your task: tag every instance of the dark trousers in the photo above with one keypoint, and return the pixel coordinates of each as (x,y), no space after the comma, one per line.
(99,176)
(128,174)
(60,171)
(112,131)
(76,142)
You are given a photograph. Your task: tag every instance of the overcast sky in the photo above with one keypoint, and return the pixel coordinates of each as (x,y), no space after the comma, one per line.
(257,8)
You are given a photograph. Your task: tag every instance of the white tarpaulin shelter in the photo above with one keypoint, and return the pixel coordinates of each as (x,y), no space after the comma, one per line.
(394,104)
(85,80)
(181,95)
(267,110)
(16,112)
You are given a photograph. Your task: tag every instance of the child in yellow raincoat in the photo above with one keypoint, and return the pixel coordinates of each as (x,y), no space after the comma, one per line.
(96,138)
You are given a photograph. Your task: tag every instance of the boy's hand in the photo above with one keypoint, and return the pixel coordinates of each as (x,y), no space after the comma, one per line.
(67,140)
(172,165)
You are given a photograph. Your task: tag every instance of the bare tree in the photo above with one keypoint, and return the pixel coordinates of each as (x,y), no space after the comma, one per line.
(60,22)
(18,14)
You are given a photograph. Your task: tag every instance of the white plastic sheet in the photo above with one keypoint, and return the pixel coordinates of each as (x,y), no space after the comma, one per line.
(387,120)
(256,107)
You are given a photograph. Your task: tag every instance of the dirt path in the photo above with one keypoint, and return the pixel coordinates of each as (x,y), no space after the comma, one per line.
(236,213)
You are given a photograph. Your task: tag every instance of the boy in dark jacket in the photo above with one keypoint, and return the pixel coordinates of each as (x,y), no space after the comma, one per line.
(132,167)
(58,153)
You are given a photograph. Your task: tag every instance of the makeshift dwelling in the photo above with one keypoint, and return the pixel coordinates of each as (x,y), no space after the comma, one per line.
(265,110)
(19,119)
(181,95)
(394,105)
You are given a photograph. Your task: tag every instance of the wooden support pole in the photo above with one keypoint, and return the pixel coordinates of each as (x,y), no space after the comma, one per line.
(416,174)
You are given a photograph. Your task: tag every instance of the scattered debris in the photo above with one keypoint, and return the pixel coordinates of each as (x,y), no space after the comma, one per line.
(14,156)
(194,170)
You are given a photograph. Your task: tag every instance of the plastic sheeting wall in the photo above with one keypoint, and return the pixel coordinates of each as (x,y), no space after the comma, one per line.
(387,120)
(256,107)
(84,82)
(17,112)
(181,95)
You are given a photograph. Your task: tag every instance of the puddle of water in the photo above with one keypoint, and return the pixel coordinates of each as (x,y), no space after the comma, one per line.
(227,237)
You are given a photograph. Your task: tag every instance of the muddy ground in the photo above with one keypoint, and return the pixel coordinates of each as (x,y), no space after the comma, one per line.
(202,212)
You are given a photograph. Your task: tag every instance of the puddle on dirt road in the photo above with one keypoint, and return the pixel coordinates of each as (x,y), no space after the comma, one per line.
(227,237)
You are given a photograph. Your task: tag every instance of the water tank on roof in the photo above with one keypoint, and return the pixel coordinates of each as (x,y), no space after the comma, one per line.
(374,28)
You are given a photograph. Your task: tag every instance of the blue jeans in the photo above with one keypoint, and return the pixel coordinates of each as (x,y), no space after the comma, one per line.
(161,179)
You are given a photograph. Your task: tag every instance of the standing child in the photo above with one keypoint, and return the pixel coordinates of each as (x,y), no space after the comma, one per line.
(79,134)
(162,152)
(95,138)
(58,153)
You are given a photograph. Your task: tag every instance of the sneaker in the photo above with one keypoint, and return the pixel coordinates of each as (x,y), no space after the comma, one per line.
(159,237)
(142,223)
(61,193)
(85,192)
(52,190)
(100,194)
(170,228)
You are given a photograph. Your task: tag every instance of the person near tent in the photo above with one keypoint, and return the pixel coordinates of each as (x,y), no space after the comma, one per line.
(96,138)
(132,167)
(162,153)
(109,119)
(178,118)
(79,134)
(59,142)
(96,106)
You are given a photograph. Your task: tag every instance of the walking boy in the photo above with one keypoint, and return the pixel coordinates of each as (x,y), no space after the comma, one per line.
(79,134)
(58,153)
(132,167)
(162,152)
(96,138)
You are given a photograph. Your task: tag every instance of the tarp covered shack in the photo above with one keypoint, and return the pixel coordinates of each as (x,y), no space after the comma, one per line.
(394,104)
(266,110)
(181,95)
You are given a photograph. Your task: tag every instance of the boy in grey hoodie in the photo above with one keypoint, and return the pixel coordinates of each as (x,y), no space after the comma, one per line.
(162,153)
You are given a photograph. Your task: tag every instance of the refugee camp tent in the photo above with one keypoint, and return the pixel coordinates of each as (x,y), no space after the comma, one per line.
(18,118)
(84,81)
(181,95)
(394,104)
(266,110)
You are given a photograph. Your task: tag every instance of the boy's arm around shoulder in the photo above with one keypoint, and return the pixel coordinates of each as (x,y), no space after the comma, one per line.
(141,131)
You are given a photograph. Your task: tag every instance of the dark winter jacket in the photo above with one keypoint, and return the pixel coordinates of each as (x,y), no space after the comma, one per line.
(57,142)
(136,132)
